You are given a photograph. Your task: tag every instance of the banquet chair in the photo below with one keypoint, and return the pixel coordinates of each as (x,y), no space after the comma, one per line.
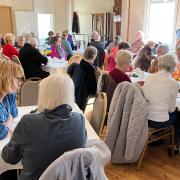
(16,60)
(29,92)
(99,113)
(3,57)
(80,164)
(160,134)
(75,59)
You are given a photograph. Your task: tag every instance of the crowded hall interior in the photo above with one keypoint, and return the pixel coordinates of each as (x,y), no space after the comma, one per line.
(90,90)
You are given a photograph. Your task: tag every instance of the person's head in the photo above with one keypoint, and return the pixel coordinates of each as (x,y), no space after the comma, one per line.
(145,51)
(123,60)
(57,40)
(33,34)
(11,75)
(96,36)
(9,38)
(140,36)
(90,54)
(178,53)
(117,39)
(65,34)
(162,49)
(54,91)
(124,45)
(21,41)
(167,62)
(33,41)
(50,33)
(151,44)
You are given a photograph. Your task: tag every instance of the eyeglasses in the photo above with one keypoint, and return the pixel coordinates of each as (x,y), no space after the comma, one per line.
(19,80)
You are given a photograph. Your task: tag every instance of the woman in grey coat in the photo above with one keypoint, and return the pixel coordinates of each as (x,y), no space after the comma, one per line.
(42,137)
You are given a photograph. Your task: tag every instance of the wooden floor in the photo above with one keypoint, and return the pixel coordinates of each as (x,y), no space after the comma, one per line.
(157,165)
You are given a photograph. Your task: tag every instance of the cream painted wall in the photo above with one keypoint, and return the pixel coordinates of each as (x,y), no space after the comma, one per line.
(5,2)
(37,6)
(85,8)
(43,6)
(60,15)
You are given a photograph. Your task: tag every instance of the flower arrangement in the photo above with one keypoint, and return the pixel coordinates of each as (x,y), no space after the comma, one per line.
(47,51)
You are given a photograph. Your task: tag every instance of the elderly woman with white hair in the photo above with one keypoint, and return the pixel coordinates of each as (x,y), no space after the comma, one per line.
(123,64)
(42,137)
(160,91)
(31,60)
(84,77)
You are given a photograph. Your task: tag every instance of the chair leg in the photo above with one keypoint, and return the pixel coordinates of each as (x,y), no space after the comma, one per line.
(141,157)
(18,174)
(172,143)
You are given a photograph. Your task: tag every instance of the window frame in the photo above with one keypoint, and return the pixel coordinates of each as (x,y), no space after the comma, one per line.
(147,19)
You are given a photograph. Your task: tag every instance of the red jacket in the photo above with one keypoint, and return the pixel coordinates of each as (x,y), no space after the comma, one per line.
(9,50)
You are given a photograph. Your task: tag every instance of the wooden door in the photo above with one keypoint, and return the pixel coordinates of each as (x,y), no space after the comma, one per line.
(5,20)
(98,23)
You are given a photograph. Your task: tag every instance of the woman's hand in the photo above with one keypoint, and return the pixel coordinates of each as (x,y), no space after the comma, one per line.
(9,124)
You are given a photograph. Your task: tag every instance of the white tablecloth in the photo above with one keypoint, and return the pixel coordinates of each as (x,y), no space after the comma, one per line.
(55,66)
(91,134)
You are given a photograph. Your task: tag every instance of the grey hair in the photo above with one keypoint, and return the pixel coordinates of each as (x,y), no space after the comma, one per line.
(55,90)
(167,62)
(33,41)
(90,53)
(165,47)
(122,57)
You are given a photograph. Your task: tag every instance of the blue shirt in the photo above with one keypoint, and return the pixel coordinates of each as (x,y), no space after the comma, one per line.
(7,107)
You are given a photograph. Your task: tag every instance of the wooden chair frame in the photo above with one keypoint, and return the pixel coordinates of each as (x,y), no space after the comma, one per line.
(169,131)
(104,97)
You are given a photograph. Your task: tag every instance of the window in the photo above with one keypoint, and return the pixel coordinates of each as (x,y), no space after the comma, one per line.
(45,24)
(161,23)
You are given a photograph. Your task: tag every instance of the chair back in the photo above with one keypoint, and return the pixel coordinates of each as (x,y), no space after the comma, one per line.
(82,163)
(29,92)
(75,59)
(16,60)
(108,85)
(3,57)
(99,113)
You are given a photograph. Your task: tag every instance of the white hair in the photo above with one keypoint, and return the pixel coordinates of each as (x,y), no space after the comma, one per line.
(54,91)
(167,62)
(33,41)
(122,57)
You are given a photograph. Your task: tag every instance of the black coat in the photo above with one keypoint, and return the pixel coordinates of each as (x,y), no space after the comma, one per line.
(75,23)
(84,78)
(31,60)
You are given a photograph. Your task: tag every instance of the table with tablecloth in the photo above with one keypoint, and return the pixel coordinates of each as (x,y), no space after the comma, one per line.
(55,65)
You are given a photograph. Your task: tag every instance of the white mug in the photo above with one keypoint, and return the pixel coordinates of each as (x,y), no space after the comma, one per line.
(141,74)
